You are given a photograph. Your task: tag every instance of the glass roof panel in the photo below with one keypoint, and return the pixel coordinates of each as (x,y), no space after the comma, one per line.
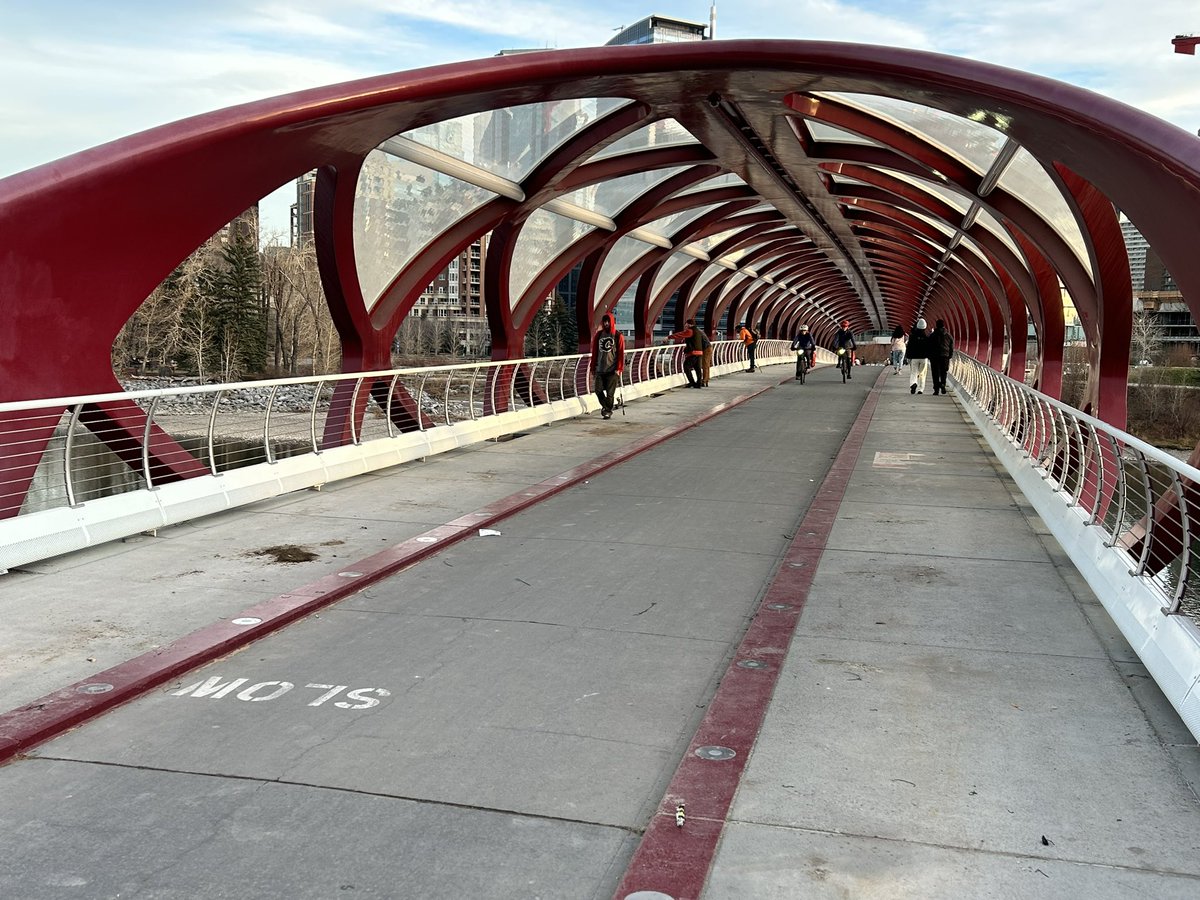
(543,237)
(509,142)
(399,207)
(668,225)
(707,243)
(822,131)
(736,282)
(975,248)
(717,181)
(707,276)
(992,224)
(669,270)
(611,196)
(663,133)
(952,198)
(622,254)
(972,143)
(1026,180)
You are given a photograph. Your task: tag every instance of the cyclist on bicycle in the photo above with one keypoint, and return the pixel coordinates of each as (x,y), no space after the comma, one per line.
(843,344)
(804,347)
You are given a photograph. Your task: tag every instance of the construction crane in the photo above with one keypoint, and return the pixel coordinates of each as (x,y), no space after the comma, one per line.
(1185,43)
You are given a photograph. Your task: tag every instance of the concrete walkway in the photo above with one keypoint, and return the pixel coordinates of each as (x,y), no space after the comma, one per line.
(504,717)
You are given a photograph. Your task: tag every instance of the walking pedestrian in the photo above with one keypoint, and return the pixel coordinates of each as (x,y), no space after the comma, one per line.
(748,337)
(608,362)
(917,354)
(693,340)
(897,351)
(941,351)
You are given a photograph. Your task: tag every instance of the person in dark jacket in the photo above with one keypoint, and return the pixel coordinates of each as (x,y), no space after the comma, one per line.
(694,341)
(803,343)
(917,357)
(608,362)
(941,351)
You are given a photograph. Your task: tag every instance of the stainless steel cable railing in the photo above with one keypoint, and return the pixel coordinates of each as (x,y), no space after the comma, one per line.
(1144,501)
(144,455)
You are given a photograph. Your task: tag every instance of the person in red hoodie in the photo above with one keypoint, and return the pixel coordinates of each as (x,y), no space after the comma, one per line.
(608,362)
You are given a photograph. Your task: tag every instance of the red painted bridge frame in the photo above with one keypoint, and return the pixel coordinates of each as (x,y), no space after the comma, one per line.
(844,231)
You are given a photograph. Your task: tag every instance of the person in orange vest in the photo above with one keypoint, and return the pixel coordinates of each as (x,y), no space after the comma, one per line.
(749,338)
(693,340)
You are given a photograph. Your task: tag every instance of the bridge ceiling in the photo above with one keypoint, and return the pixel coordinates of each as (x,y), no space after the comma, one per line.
(827,180)
(810,160)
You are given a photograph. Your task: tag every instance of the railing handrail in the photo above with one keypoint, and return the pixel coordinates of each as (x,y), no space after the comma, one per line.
(183,390)
(1154,453)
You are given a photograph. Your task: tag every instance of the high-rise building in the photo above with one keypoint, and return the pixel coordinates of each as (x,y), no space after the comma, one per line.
(660,30)
(302,210)
(1155,291)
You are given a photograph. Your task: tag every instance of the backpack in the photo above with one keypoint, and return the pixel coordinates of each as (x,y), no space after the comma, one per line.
(753,335)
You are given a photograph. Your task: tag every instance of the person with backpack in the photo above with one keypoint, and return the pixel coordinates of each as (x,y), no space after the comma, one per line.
(749,337)
(608,362)
(917,356)
(694,340)
(941,351)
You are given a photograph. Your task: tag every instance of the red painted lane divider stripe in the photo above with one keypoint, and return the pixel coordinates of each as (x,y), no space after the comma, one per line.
(674,861)
(33,723)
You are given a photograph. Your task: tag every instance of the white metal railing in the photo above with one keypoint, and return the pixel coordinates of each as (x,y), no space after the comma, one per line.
(76,471)
(1127,513)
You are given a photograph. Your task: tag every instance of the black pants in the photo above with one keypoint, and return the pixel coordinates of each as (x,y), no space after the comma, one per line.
(750,356)
(939,366)
(606,390)
(803,361)
(691,369)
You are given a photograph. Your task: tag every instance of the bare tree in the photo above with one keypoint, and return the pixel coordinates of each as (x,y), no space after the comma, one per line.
(1147,336)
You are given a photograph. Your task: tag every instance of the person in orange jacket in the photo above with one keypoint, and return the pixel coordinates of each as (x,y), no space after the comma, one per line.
(693,339)
(749,339)
(608,362)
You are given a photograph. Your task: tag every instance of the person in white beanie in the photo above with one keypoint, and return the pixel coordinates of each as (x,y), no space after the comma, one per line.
(917,356)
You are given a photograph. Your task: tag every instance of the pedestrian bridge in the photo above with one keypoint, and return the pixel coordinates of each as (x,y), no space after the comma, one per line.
(857,641)
(444,632)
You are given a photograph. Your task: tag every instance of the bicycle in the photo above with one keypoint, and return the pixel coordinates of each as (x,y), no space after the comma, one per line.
(844,363)
(802,365)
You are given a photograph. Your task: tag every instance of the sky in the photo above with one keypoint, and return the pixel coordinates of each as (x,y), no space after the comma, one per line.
(77,73)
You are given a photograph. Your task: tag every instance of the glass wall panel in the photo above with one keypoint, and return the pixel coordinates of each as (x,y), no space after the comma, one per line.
(619,258)
(611,196)
(663,133)
(543,237)
(1026,180)
(399,207)
(509,142)
(971,142)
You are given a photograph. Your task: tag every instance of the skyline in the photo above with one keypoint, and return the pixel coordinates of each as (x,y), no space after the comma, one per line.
(76,75)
